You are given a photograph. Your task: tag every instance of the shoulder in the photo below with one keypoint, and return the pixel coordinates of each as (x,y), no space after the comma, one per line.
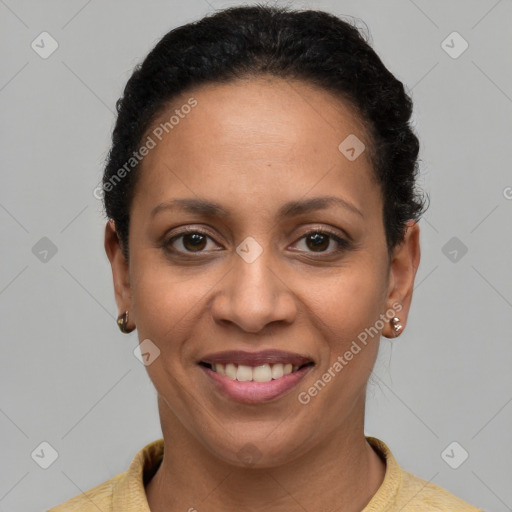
(97,498)
(123,492)
(418,494)
(402,491)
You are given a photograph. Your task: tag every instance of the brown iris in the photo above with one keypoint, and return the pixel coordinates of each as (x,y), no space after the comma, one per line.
(319,241)
(194,241)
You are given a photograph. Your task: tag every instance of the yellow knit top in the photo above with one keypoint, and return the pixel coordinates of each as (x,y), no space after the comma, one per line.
(400,491)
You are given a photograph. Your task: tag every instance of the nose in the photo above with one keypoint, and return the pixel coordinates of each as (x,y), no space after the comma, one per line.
(254,295)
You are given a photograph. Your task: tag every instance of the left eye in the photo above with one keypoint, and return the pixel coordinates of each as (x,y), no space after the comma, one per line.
(320,241)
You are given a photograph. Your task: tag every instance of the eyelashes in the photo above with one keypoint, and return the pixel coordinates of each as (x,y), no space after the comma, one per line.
(195,241)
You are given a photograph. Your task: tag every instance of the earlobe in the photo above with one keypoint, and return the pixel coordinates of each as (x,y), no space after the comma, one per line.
(120,268)
(404,265)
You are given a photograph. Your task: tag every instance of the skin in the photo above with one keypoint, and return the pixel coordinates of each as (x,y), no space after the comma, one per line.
(251,146)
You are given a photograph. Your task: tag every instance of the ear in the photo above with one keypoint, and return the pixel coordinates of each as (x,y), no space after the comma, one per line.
(120,269)
(404,264)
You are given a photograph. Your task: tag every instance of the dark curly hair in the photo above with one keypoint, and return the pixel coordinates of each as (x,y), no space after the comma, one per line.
(313,46)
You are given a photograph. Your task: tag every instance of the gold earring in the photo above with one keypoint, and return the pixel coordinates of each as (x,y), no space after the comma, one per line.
(397,326)
(122,322)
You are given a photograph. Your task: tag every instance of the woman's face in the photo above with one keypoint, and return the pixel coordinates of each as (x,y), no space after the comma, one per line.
(284,265)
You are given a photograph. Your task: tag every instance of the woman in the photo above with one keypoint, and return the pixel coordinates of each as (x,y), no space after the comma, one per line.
(263,235)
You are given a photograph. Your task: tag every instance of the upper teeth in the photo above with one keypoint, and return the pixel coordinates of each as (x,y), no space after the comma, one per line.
(263,373)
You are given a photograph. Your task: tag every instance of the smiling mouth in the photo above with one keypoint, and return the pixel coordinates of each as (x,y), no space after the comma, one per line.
(262,373)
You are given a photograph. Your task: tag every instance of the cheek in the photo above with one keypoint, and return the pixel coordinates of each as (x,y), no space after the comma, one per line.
(165,301)
(354,298)
(170,306)
(166,307)
(348,311)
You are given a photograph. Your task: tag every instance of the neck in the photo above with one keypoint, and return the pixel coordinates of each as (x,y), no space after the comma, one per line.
(341,473)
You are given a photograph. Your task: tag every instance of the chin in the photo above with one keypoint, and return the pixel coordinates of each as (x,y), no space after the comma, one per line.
(259,448)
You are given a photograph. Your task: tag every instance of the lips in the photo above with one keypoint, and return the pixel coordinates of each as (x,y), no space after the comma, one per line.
(239,357)
(253,377)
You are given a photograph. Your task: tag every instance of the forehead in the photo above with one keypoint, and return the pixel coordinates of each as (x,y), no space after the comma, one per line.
(264,138)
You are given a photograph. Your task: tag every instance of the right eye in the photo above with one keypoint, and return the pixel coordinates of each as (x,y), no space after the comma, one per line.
(188,241)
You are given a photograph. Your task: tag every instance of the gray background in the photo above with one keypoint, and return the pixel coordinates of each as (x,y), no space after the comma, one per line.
(70,378)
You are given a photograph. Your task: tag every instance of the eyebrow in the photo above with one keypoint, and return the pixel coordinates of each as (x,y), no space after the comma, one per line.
(290,209)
